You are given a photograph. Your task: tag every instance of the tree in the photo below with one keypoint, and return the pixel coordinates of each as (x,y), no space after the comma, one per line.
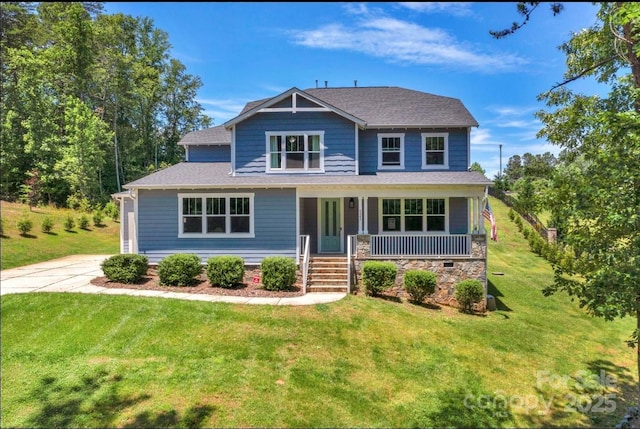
(596,192)
(514,171)
(477,167)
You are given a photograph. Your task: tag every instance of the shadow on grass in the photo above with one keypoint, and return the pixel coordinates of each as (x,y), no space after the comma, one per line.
(493,290)
(600,394)
(27,236)
(464,407)
(70,231)
(95,401)
(50,233)
(427,305)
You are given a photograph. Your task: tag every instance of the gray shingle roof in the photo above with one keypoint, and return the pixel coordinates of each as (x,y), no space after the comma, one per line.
(386,106)
(216,174)
(214,135)
(378,106)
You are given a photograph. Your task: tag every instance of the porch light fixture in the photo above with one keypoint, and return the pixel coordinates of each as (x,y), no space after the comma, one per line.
(352,203)
(292,139)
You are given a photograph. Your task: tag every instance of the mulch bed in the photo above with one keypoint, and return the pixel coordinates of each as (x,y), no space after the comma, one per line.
(202,286)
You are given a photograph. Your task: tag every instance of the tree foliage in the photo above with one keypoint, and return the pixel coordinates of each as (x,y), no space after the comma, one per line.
(89,100)
(596,186)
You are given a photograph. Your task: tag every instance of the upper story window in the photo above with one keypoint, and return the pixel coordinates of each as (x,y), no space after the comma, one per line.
(390,151)
(215,215)
(295,151)
(435,150)
(413,215)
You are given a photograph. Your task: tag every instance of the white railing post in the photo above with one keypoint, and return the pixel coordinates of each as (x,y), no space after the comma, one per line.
(305,261)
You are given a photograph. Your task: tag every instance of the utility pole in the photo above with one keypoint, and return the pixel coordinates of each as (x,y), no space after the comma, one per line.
(500,160)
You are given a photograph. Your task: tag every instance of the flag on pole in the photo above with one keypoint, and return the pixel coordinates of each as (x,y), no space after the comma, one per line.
(488,214)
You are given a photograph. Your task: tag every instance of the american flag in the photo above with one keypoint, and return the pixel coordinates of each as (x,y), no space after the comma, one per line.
(488,214)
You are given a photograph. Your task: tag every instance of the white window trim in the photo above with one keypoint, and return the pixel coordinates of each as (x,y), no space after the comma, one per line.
(445,164)
(228,233)
(402,216)
(390,167)
(283,134)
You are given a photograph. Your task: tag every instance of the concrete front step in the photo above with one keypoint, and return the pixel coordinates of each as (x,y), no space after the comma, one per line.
(327,288)
(328,274)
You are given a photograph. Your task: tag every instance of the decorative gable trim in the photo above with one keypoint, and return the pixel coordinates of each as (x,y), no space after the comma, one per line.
(294,92)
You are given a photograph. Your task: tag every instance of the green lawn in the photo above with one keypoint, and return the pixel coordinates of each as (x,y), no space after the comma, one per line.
(73,360)
(37,246)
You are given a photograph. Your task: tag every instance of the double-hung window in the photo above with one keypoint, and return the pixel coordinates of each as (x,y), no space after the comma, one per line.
(390,151)
(413,215)
(215,215)
(435,150)
(298,151)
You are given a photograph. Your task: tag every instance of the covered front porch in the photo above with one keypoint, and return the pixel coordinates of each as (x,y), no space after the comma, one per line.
(401,224)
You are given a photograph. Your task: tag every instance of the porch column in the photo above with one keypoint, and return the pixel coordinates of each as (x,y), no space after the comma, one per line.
(363,215)
(476,220)
(480,218)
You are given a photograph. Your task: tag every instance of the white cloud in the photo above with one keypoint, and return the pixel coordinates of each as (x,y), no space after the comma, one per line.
(399,41)
(221,110)
(450,8)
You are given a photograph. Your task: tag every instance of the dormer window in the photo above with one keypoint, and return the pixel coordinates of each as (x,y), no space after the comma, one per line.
(435,150)
(390,151)
(295,151)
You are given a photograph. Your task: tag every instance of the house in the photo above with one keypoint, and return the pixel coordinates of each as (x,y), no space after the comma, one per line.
(329,176)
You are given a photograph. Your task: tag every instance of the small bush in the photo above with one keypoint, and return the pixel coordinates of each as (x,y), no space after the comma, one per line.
(112,211)
(469,292)
(125,268)
(419,284)
(378,276)
(83,221)
(180,269)
(24,224)
(69,223)
(47,224)
(1,226)
(98,217)
(225,271)
(278,272)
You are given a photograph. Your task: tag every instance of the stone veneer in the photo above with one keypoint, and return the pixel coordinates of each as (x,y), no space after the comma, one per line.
(449,270)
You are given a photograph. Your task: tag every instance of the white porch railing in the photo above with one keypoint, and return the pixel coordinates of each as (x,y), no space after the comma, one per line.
(421,245)
(352,251)
(304,247)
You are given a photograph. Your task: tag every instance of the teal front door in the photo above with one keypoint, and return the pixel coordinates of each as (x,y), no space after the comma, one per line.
(330,225)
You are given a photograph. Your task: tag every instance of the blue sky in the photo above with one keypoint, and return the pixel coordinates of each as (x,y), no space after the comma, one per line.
(248,51)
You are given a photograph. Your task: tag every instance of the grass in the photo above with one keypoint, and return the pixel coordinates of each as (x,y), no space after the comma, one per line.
(38,246)
(75,360)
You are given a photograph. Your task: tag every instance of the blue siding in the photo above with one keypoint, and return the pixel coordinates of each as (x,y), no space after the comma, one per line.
(368,146)
(275,227)
(209,153)
(458,215)
(339,139)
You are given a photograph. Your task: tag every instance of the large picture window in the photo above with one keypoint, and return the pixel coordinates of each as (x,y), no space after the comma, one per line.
(390,151)
(213,215)
(413,215)
(435,150)
(295,151)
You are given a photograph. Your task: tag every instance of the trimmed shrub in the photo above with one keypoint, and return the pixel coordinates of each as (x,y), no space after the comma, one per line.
(112,210)
(419,284)
(24,224)
(47,224)
(83,221)
(180,269)
(225,271)
(98,217)
(378,276)
(125,268)
(278,272)
(469,292)
(69,223)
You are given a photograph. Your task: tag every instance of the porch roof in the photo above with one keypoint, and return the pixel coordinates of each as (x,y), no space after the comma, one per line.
(191,175)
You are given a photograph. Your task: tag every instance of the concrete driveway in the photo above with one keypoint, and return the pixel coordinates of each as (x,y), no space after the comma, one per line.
(74,274)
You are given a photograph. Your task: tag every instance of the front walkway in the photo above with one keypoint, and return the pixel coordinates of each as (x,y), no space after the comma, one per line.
(74,274)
